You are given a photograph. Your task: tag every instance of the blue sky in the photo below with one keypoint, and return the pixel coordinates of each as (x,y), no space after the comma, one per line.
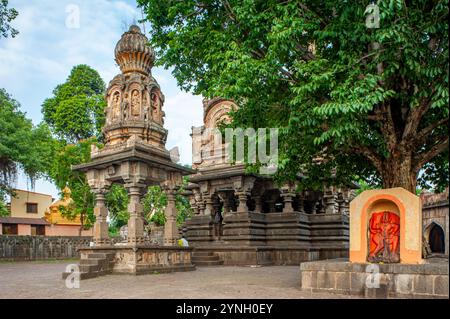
(42,55)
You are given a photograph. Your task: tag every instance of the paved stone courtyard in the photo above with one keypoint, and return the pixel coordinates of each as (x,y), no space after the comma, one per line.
(42,279)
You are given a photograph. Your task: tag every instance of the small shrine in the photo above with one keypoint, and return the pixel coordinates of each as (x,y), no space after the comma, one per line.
(386,227)
(61,225)
(385,255)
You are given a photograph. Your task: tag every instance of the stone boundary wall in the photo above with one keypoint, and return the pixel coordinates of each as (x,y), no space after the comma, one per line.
(395,280)
(40,247)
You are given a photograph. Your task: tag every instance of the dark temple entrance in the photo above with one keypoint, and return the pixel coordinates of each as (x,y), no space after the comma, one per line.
(436,239)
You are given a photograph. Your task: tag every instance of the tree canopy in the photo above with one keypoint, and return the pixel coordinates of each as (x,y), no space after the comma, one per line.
(22,145)
(6,16)
(76,110)
(351,102)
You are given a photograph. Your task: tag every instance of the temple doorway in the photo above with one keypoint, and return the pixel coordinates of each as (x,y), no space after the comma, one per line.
(436,239)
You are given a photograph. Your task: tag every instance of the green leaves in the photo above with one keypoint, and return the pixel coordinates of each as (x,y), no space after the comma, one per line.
(76,110)
(22,145)
(339,91)
(6,16)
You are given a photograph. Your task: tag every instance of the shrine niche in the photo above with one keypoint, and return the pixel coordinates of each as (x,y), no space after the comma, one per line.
(385,227)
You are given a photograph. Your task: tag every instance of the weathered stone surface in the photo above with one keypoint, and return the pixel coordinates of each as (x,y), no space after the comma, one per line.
(40,247)
(441,285)
(412,281)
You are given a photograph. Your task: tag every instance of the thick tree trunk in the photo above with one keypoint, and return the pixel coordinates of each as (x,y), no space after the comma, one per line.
(399,171)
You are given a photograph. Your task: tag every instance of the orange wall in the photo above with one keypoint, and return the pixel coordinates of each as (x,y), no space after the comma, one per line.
(66,230)
(24,230)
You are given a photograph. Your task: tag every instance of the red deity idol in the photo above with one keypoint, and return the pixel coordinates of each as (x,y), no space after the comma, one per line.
(384,231)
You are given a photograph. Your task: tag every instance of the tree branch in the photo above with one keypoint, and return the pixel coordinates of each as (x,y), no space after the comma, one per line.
(422,158)
(371,155)
(424,133)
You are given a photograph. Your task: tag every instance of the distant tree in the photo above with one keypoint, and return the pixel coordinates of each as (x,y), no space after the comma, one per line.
(62,174)
(76,110)
(75,115)
(6,16)
(351,102)
(155,202)
(117,203)
(22,144)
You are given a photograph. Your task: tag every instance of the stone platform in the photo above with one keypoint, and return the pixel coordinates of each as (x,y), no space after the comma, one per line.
(428,280)
(133,259)
(276,255)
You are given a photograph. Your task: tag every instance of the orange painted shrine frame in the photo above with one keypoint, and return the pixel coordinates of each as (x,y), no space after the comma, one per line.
(406,256)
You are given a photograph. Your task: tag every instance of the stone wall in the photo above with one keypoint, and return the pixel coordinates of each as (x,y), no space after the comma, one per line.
(40,247)
(394,280)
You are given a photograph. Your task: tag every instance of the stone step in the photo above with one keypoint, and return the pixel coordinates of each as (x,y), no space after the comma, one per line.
(205,258)
(202,253)
(90,261)
(208,263)
(101,255)
(89,268)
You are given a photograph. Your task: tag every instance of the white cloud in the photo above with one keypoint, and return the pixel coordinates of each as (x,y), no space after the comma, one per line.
(182,112)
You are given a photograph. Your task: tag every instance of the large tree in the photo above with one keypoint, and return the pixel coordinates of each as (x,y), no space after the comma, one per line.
(76,110)
(75,115)
(22,145)
(350,101)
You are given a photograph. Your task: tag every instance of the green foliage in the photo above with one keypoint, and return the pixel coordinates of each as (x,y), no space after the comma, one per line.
(6,16)
(3,209)
(349,101)
(63,175)
(76,110)
(155,202)
(22,145)
(75,114)
(117,203)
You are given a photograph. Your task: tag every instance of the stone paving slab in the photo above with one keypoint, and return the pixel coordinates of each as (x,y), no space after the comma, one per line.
(43,280)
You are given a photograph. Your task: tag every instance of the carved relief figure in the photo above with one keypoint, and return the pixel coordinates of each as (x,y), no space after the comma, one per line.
(156,108)
(116,106)
(384,231)
(135,103)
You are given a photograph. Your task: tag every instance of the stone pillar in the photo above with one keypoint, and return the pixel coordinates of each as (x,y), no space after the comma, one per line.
(135,208)
(209,209)
(258,203)
(331,205)
(101,234)
(201,208)
(171,234)
(242,196)
(287,199)
(194,205)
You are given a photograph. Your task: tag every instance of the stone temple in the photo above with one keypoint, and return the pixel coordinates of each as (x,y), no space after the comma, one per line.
(247,219)
(134,155)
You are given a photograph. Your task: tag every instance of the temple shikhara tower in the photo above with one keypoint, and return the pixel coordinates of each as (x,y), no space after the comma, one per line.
(134,155)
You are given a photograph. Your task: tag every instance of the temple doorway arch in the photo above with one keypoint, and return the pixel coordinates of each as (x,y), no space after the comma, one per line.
(436,239)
